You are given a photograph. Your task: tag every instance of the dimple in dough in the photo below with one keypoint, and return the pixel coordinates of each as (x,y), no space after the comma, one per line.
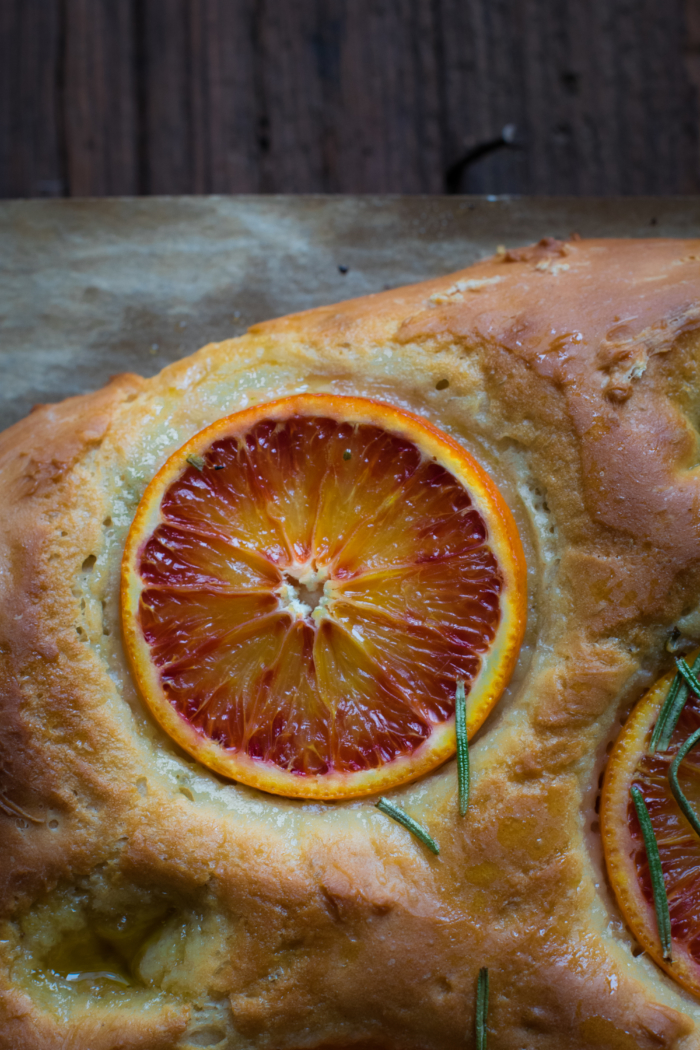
(243,920)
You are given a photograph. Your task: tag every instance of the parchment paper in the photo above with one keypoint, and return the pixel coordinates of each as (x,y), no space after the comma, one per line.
(89,288)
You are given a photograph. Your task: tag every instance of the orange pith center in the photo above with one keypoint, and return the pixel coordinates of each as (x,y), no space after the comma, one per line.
(679,846)
(313,592)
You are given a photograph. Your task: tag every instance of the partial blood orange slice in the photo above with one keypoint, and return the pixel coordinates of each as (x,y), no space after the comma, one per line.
(679,846)
(305,583)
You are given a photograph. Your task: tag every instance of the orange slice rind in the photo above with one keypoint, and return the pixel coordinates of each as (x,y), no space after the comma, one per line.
(631,763)
(303,585)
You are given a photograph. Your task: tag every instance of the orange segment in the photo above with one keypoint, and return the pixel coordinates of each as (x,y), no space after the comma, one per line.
(305,583)
(679,847)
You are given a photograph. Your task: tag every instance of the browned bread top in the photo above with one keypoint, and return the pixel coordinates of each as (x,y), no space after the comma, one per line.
(571,371)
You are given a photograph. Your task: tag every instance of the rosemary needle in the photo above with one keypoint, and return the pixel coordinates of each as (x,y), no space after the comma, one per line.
(663,918)
(672,706)
(482,1007)
(659,738)
(690,679)
(675,786)
(462,748)
(409,823)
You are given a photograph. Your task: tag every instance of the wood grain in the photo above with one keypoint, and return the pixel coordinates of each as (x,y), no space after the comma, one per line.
(691,52)
(597,91)
(103,97)
(350,97)
(167,140)
(100,98)
(31,119)
(223,57)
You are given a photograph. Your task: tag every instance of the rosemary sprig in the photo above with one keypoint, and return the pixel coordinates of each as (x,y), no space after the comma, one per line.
(482,1007)
(409,823)
(659,738)
(462,748)
(658,888)
(196,461)
(673,705)
(690,679)
(678,794)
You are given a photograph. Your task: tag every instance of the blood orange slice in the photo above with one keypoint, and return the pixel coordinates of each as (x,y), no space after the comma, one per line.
(304,584)
(631,763)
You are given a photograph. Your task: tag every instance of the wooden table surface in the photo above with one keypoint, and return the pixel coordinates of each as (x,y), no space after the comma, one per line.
(91,288)
(115,97)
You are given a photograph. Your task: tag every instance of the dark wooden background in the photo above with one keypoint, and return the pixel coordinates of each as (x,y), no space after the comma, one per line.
(104,97)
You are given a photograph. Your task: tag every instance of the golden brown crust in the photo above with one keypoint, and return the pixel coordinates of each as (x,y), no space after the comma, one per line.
(252,921)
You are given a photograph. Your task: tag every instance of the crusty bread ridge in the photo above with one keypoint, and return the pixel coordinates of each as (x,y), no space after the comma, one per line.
(254,921)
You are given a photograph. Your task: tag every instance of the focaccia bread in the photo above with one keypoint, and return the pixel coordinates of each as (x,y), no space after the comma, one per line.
(570,371)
